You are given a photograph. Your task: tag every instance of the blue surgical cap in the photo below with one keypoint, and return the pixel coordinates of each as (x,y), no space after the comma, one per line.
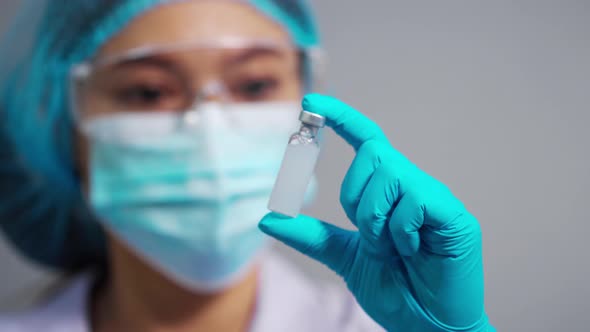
(42,207)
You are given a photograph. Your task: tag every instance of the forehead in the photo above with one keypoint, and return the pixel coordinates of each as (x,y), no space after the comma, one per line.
(188,21)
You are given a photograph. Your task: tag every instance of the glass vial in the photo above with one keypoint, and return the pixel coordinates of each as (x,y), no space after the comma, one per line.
(298,166)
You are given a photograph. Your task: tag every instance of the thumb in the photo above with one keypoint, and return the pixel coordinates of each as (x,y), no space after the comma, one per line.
(326,243)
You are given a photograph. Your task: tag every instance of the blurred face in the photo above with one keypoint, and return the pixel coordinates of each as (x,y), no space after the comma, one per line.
(186,113)
(175,75)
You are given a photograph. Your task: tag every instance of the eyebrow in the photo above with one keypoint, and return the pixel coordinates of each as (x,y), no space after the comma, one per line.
(161,61)
(249,54)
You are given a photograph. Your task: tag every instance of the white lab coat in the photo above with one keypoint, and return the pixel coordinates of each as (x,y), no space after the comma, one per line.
(287,302)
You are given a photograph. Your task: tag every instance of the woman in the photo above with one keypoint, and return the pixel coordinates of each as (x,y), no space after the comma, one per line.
(142,139)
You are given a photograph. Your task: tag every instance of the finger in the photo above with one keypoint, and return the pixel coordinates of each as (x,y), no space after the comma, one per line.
(427,202)
(406,220)
(326,243)
(350,124)
(440,206)
(367,159)
(374,209)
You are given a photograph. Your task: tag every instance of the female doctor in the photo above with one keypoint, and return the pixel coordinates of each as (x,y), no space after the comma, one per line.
(140,142)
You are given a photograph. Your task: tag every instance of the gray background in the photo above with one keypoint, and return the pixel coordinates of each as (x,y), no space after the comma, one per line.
(489,97)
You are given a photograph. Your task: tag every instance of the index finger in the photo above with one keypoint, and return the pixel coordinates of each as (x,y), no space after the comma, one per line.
(347,122)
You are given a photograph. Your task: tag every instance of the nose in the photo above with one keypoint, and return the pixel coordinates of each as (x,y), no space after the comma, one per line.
(213,91)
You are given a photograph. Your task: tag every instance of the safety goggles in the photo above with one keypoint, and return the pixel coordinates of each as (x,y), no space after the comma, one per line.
(178,77)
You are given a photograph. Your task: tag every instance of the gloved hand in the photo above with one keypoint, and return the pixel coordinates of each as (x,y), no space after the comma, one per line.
(415,263)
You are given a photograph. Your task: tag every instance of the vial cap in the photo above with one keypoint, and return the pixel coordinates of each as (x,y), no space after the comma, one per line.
(312,119)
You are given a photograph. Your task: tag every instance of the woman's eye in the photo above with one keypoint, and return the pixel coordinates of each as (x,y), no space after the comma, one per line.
(257,89)
(148,97)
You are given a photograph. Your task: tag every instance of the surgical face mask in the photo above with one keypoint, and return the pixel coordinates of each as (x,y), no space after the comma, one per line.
(185,193)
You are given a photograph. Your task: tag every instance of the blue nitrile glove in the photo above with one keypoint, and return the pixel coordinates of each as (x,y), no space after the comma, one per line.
(415,263)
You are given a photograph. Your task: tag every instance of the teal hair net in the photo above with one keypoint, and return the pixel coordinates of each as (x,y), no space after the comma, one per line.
(42,210)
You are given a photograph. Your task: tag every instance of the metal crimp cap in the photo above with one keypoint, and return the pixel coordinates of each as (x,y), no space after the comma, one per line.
(312,119)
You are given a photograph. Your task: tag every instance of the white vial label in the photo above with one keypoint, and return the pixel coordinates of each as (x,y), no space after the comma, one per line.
(294,176)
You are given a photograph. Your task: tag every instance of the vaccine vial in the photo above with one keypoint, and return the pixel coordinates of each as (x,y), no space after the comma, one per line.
(298,166)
